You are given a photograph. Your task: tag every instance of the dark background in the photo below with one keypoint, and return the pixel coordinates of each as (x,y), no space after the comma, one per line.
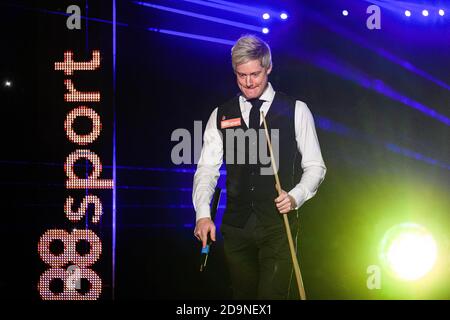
(164,82)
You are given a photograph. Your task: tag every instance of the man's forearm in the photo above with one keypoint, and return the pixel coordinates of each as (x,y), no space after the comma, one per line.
(309,184)
(205,181)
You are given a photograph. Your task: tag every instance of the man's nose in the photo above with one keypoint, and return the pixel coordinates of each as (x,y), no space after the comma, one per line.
(248,81)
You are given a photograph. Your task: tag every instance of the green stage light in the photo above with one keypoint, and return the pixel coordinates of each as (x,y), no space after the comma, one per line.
(409,251)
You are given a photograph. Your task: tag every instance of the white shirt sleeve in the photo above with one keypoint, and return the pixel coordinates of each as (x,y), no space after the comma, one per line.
(208,168)
(312,163)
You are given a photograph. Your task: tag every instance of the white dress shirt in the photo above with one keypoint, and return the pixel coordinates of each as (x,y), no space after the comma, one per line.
(211,157)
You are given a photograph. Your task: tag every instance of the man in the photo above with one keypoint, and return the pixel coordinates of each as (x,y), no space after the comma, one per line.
(255,241)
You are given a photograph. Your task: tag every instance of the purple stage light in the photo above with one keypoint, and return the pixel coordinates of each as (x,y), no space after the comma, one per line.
(407,13)
(283,16)
(265,30)
(334,66)
(266,16)
(199,16)
(344,12)
(441,12)
(425,13)
(193,36)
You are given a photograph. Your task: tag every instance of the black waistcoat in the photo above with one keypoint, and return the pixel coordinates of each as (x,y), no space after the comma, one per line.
(247,190)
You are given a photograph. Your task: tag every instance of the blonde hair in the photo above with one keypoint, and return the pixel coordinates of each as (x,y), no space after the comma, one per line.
(250,47)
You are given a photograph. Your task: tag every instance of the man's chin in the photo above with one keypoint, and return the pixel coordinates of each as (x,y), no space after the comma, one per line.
(251,95)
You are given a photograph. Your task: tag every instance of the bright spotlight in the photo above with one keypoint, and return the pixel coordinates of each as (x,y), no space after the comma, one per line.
(283,16)
(8,84)
(345,12)
(265,30)
(407,13)
(425,13)
(266,16)
(441,12)
(409,251)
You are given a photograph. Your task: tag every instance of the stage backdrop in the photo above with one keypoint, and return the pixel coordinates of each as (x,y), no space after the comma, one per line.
(97,197)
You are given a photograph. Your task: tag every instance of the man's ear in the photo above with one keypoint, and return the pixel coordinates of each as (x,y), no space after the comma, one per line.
(269,69)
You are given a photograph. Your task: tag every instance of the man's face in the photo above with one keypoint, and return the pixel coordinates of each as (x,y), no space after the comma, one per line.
(252,78)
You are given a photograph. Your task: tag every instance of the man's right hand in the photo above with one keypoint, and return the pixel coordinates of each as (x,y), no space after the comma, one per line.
(202,228)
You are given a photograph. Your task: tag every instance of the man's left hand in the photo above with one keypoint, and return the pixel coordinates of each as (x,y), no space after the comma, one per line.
(285,203)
